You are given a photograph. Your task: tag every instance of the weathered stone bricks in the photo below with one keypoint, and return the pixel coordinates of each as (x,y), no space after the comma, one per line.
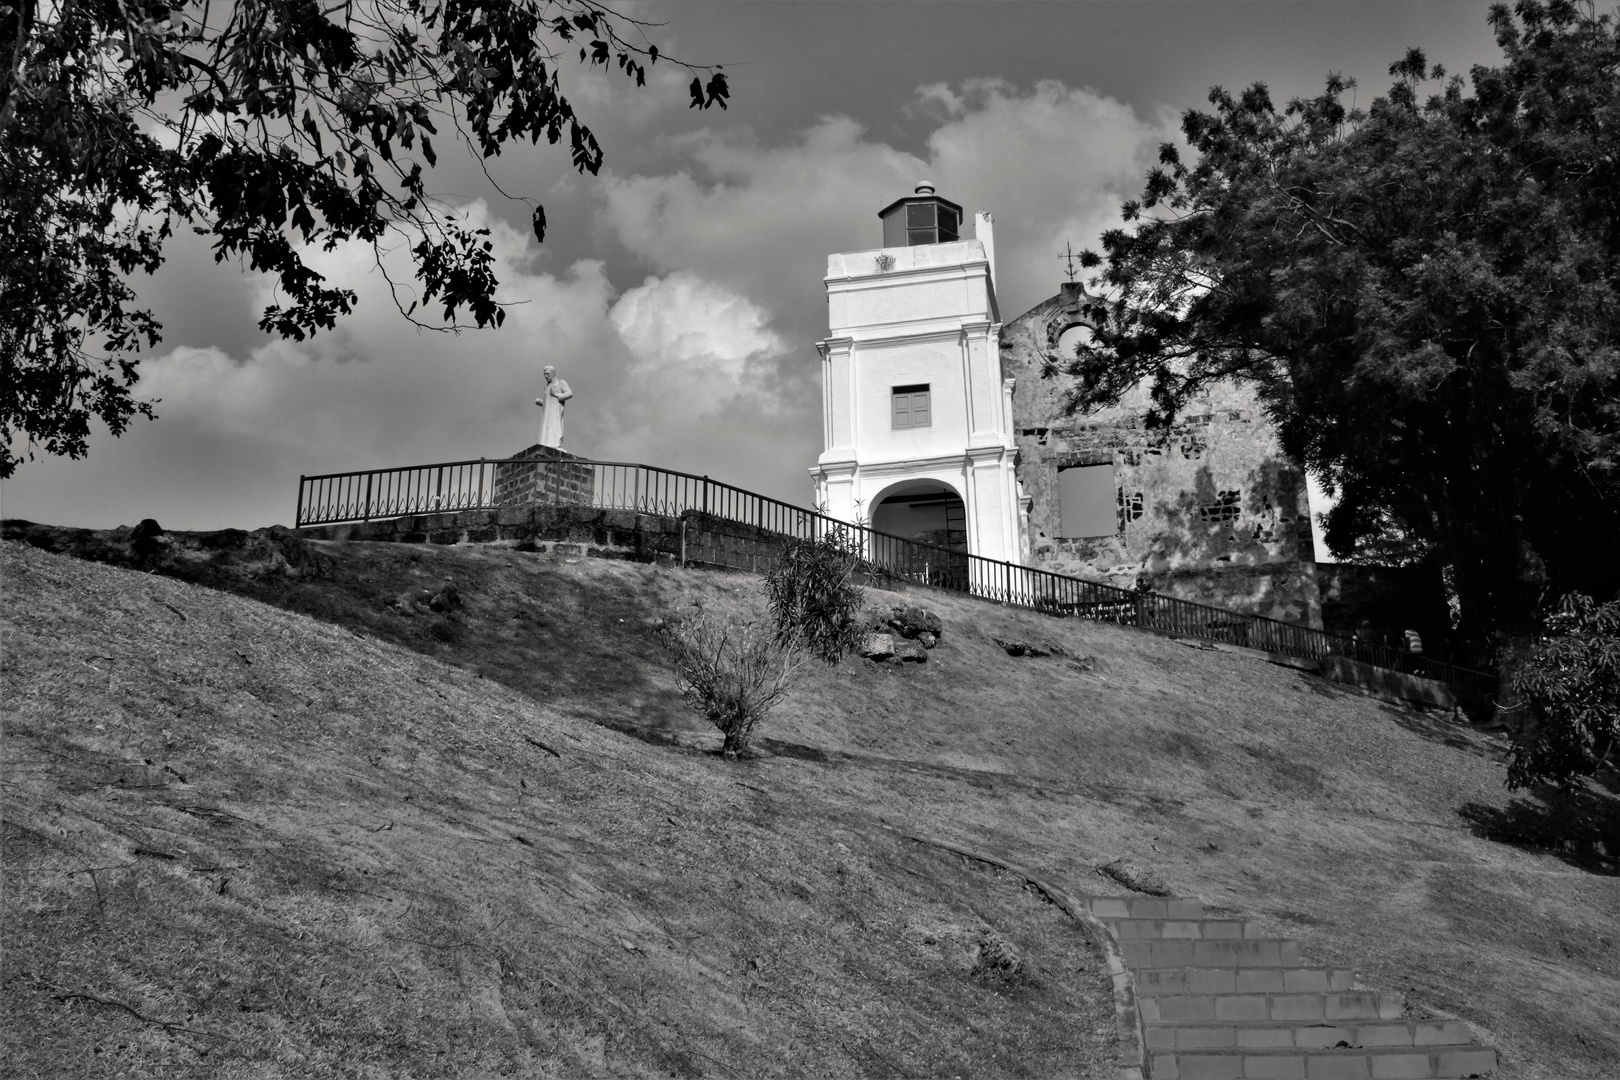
(1338,1067)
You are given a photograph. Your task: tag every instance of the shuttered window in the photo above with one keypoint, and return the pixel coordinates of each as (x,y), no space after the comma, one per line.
(909,406)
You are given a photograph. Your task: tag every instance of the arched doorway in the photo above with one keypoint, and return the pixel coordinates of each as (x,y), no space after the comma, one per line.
(927,512)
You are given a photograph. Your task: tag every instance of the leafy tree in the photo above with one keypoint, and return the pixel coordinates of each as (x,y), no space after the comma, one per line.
(262,124)
(1568,685)
(1424,294)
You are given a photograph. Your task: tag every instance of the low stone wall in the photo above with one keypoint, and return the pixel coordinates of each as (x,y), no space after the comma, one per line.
(563,480)
(580,530)
(1392,686)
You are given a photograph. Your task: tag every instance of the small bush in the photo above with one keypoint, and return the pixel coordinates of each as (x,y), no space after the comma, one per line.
(997,961)
(1569,685)
(813,599)
(733,672)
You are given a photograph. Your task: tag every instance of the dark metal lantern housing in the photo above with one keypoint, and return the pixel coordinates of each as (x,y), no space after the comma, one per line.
(923,218)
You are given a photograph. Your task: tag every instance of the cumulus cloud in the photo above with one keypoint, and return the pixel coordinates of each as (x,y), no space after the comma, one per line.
(1051,163)
(708,364)
(235,432)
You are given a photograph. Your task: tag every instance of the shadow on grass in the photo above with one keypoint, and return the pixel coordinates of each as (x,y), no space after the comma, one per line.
(1581,827)
(563,640)
(1442,727)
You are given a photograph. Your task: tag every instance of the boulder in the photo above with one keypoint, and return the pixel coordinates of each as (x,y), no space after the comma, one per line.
(910,621)
(912,652)
(1022,648)
(927,640)
(446,599)
(877,647)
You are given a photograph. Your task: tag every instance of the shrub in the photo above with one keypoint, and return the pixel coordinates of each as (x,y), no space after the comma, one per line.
(813,599)
(1569,686)
(731,671)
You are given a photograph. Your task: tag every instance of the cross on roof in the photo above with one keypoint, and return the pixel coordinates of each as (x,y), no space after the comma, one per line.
(1069,257)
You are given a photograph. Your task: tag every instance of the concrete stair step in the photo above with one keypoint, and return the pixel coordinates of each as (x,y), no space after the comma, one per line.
(1387,1063)
(1235,980)
(1220,953)
(1182,929)
(1143,907)
(1289,1008)
(1273,1035)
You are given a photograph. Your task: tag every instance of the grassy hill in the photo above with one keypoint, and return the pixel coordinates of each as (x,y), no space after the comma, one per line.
(317,827)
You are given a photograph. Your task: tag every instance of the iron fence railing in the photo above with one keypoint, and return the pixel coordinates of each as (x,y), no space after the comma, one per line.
(487,483)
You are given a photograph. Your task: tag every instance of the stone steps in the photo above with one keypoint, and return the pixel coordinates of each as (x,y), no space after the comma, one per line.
(1143,907)
(1271,1035)
(1243,980)
(1218,999)
(1289,1008)
(1382,1063)
(1244,952)
(1183,929)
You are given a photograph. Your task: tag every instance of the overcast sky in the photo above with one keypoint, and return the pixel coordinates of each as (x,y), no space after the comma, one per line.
(679,292)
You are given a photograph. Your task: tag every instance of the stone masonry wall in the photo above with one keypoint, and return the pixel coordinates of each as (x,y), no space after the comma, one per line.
(580,530)
(1208,510)
(706,540)
(562,481)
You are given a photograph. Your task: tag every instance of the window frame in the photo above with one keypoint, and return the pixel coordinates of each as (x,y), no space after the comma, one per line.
(910,394)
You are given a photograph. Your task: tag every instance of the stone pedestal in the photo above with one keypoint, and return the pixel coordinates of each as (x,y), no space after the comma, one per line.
(550,477)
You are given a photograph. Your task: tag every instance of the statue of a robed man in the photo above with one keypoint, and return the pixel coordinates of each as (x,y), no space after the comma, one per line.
(551,420)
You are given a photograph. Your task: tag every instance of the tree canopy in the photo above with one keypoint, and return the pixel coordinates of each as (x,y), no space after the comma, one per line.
(1426,295)
(268,126)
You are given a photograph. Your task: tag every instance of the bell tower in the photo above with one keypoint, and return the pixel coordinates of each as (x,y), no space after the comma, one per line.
(917,417)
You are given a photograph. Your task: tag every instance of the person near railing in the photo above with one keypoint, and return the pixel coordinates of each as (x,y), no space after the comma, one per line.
(1412,653)
(1364,641)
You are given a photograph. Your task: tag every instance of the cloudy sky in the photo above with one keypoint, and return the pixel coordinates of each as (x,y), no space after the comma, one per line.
(680,292)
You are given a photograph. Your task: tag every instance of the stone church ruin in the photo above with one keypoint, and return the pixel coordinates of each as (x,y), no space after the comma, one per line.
(939,427)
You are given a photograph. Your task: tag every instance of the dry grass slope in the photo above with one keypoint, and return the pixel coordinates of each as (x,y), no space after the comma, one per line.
(241,842)
(360,780)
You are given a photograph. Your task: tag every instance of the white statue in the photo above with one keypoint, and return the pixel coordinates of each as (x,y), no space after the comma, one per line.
(551,420)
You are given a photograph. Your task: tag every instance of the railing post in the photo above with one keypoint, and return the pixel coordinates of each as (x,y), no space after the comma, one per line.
(367,516)
(683,541)
(298,515)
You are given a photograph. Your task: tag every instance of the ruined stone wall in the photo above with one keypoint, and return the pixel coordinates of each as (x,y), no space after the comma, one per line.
(1208,510)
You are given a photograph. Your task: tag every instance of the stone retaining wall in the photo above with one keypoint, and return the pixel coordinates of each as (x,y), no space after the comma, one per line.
(579,530)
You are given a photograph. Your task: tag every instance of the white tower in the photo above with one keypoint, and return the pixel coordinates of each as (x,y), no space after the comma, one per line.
(917,416)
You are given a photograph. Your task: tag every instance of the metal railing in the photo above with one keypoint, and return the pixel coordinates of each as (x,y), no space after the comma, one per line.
(483,483)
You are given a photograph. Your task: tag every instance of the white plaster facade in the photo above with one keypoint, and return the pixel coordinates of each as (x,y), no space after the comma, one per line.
(900,316)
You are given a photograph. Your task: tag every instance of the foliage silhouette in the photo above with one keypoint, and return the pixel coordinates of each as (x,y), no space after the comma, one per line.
(267,126)
(1568,684)
(1426,296)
